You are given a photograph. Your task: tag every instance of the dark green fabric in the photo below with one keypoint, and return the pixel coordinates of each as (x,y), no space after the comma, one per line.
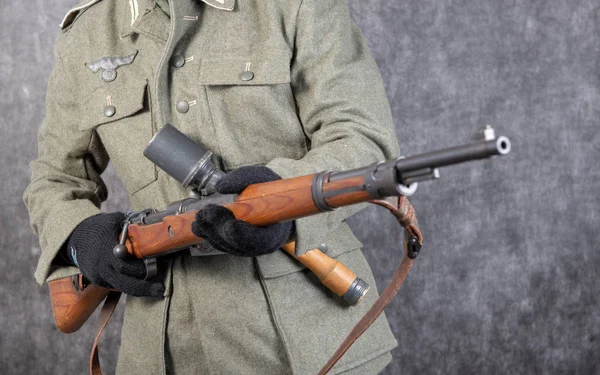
(316,102)
(238,331)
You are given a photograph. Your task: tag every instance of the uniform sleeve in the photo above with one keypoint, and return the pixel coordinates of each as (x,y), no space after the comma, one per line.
(65,187)
(341,103)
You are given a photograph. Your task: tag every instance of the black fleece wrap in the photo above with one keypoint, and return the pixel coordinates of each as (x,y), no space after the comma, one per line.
(218,226)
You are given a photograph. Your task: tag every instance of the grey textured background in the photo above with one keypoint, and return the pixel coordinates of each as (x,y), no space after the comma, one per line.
(508,281)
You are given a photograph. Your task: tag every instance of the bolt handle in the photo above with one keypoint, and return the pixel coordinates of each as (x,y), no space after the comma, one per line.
(120,250)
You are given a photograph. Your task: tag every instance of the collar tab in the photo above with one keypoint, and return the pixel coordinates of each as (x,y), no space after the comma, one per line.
(73,13)
(221,4)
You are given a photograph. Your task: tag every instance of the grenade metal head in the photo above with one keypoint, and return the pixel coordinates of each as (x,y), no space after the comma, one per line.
(183,159)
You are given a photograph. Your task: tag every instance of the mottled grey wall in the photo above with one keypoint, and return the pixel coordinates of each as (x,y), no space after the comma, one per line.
(508,281)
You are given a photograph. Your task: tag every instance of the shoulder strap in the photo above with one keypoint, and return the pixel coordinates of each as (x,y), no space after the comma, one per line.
(105,314)
(413,239)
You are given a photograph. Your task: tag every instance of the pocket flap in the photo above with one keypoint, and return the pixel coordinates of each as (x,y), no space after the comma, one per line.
(270,67)
(279,263)
(112,102)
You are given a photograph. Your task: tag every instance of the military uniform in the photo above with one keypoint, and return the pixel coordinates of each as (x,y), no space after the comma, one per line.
(288,84)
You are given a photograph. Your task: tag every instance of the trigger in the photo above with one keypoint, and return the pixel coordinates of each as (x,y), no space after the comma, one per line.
(151,268)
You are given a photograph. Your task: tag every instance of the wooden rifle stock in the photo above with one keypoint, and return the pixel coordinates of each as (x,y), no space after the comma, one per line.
(260,204)
(73,303)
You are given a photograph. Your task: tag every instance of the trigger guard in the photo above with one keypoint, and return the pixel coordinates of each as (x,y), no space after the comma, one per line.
(151,268)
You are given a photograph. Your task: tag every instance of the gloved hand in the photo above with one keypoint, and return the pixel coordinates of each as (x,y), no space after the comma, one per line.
(90,247)
(218,226)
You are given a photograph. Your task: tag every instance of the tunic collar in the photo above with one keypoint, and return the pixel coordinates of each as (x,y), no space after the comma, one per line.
(151,17)
(219,4)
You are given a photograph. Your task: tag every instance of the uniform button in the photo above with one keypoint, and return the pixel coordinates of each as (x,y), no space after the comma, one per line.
(177,61)
(246,76)
(182,106)
(109,75)
(323,247)
(109,111)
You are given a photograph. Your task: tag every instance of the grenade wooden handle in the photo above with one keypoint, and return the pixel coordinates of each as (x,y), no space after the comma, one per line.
(333,274)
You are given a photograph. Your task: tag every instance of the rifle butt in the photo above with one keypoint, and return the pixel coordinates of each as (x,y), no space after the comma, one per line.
(73,303)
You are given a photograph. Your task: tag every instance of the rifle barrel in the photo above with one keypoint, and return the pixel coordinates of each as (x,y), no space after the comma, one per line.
(453,155)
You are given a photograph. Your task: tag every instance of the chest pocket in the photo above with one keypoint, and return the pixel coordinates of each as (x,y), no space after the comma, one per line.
(253,108)
(121,115)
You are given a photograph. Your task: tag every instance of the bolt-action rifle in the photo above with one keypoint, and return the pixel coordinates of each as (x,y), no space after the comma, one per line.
(150,234)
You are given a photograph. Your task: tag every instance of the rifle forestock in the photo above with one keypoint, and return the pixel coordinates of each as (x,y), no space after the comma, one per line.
(260,204)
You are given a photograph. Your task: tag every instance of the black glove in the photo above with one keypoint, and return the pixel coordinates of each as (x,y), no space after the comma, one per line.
(218,226)
(90,247)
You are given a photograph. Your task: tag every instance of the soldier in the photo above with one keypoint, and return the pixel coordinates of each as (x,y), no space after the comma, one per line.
(276,89)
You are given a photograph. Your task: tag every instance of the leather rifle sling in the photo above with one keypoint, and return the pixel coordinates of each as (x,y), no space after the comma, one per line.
(110,304)
(405,214)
